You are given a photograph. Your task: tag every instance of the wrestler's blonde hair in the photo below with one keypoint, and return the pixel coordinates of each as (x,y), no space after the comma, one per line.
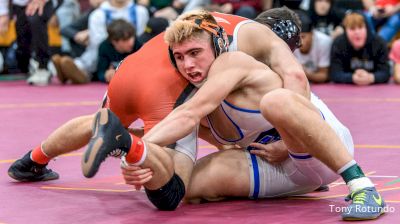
(184,27)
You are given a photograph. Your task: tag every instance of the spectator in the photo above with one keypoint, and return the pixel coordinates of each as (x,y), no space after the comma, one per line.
(395,57)
(291,4)
(326,18)
(77,32)
(155,26)
(31,27)
(314,53)
(81,69)
(358,56)
(169,9)
(246,8)
(67,13)
(384,15)
(120,43)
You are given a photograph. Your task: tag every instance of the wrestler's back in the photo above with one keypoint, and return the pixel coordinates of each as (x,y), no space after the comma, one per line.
(145,85)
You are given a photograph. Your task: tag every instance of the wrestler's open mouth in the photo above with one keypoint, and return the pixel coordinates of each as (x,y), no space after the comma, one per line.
(195,76)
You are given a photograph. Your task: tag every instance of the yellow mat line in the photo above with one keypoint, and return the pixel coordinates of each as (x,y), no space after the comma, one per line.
(89,103)
(85,189)
(214,148)
(338,195)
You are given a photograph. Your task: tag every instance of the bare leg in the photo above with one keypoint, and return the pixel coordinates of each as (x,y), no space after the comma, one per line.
(303,129)
(218,175)
(71,136)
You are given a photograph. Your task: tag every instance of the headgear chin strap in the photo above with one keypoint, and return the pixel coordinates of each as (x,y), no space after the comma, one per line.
(287,31)
(218,35)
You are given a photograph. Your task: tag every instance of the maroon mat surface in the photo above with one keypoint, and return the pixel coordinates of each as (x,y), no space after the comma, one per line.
(29,114)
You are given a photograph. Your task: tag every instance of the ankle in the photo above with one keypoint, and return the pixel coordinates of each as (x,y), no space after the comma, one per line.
(137,152)
(38,156)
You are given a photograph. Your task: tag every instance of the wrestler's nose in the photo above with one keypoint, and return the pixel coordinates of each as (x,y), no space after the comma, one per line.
(189,65)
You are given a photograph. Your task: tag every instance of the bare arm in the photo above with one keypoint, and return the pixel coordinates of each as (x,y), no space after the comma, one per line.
(268,48)
(221,81)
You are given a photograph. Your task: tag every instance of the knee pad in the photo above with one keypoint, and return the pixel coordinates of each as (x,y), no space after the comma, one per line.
(168,197)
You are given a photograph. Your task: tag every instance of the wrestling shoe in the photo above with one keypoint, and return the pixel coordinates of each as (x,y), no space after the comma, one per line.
(366,204)
(26,170)
(109,138)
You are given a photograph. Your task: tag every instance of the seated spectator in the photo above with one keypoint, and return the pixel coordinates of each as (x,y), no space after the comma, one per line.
(326,18)
(155,26)
(383,15)
(291,4)
(314,53)
(246,8)
(395,57)
(120,43)
(169,9)
(77,33)
(31,28)
(66,14)
(358,56)
(80,70)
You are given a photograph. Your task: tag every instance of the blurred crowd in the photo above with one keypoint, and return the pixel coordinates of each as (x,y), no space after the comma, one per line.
(343,41)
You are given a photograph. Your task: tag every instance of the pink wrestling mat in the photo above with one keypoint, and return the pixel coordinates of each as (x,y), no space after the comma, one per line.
(29,114)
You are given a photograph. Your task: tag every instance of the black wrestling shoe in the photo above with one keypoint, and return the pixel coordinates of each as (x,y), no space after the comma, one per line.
(26,170)
(109,138)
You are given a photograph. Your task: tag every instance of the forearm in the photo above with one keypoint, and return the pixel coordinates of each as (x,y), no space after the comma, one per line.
(381,76)
(341,77)
(174,127)
(320,76)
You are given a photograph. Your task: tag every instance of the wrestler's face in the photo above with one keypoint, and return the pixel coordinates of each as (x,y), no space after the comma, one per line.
(193,58)
(357,36)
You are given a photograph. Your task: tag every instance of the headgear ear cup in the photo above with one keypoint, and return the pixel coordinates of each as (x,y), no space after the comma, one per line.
(288,31)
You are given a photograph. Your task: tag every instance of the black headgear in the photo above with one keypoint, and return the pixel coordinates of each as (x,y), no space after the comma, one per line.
(218,35)
(288,31)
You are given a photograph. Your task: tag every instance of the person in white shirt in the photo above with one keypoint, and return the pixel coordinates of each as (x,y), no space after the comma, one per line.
(80,70)
(314,54)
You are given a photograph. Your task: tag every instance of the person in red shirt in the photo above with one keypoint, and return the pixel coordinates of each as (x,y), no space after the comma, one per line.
(383,15)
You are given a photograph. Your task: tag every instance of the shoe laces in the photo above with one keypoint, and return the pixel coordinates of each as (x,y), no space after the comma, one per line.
(117,153)
(358,197)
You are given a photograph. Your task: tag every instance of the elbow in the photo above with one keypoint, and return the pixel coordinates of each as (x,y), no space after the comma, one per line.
(299,75)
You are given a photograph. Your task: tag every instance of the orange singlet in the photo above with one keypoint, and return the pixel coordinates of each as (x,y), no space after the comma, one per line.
(146,86)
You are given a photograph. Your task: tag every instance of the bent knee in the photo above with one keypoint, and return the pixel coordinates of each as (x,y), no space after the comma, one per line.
(276,102)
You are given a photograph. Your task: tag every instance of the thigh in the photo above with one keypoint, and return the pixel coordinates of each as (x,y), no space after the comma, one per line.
(183,165)
(218,175)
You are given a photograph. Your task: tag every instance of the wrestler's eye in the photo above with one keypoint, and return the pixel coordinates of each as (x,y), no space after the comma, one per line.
(194,53)
(178,57)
